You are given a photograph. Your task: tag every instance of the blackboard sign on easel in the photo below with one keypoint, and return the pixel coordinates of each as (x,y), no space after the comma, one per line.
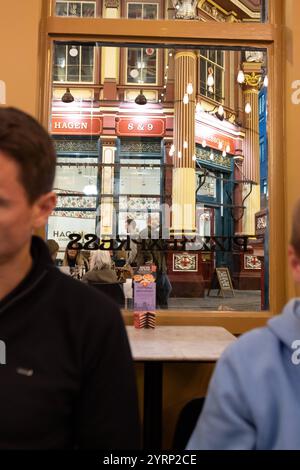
(223,279)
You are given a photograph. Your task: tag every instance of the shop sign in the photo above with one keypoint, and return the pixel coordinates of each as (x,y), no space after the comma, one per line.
(140,126)
(214,139)
(76,125)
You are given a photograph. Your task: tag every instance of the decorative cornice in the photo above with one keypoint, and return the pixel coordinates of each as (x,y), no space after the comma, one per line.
(253,80)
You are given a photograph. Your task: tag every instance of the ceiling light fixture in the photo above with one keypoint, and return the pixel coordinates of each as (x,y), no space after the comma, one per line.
(67,96)
(141,99)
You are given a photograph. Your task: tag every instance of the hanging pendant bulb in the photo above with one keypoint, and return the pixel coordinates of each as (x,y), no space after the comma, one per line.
(266,81)
(194,158)
(210,78)
(199,108)
(220,110)
(224,153)
(241,77)
(67,97)
(185,144)
(212,157)
(210,81)
(189,88)
(248,108)
(185,98)
(204,143)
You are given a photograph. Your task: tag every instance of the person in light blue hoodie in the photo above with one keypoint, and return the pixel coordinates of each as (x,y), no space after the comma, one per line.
(253,400)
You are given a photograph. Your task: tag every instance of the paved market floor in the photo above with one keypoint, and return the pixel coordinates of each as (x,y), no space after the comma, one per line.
(242,301)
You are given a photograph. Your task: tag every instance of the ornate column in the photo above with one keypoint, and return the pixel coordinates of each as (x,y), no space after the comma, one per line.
(184,182)
(251,166)
(105,227)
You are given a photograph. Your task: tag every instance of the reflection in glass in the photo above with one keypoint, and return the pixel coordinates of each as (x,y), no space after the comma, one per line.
(193,172)
(231,11)
(73,63)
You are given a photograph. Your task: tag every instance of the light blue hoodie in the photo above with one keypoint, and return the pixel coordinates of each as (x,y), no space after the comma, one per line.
(253,399)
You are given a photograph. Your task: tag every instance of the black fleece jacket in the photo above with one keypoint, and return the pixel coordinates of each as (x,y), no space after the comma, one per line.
(68,381)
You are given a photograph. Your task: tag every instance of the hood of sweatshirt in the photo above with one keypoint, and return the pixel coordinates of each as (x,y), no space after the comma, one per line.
(287,325)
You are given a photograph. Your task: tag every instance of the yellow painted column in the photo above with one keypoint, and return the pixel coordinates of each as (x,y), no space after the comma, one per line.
(110,55)
(251,165)
(106,208)
(184,181)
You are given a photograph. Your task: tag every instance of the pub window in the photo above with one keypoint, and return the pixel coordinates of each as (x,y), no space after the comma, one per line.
(142,11)
(212,74)
(75,9)
(142,65)
(74,64)
(144,154)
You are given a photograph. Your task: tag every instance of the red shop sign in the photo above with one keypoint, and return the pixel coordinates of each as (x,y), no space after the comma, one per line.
(74,124)
(214,139)
(140,126)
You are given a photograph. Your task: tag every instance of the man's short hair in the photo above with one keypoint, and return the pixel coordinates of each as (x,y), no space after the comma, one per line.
(26,142)
(295,238)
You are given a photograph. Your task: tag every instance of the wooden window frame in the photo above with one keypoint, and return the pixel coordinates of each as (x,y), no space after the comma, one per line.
(268,36)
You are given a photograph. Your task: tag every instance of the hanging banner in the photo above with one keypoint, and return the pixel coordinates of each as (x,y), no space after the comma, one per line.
(140,126)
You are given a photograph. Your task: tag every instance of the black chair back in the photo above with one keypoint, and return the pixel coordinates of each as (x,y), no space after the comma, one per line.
(112,290)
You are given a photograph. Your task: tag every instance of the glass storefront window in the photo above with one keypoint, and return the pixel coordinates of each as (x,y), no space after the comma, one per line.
(201,194)
(142,180)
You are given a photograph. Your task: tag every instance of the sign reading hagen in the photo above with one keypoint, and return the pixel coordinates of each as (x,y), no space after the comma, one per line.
(76,125)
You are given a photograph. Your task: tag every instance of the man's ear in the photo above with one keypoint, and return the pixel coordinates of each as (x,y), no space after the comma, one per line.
(294,262)
(42,208)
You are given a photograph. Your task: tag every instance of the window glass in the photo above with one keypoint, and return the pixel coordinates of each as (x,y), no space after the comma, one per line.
(142,65)
(222,11)
(73,63)
(178,151)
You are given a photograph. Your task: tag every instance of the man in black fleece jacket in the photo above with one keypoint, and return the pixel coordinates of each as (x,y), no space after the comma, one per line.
(68,381)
